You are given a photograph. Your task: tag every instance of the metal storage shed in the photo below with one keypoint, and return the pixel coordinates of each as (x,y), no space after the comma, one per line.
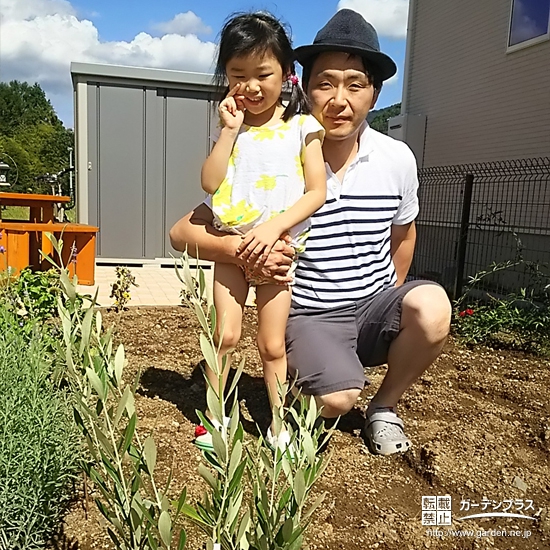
(141,136)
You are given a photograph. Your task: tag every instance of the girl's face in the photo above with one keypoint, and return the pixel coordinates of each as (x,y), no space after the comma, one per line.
(261,83)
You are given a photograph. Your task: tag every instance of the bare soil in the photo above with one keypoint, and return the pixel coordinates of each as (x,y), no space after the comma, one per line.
(479,420)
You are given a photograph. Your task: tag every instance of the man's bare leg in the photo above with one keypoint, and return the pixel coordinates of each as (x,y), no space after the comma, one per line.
(425,322)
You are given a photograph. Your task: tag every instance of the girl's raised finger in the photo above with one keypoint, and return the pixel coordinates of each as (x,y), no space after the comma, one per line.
(234,90)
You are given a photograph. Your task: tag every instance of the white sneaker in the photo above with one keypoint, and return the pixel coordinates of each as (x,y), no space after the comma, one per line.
(203,439)
(281,442)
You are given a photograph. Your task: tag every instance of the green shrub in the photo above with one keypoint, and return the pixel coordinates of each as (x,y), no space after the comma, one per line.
(276,512)
(32,295)
(515,322)
(38,443)
(120,289)
(520,320)
(121,463)
(32,298)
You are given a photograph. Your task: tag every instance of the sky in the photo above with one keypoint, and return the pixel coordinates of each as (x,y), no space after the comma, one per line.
(40,38)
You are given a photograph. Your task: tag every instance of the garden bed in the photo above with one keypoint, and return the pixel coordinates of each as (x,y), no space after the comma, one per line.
(479,420)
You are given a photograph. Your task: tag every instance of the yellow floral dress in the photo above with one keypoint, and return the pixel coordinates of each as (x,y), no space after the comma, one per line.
(265,176)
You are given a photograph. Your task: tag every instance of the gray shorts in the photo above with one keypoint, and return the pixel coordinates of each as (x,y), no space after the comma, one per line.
(329,348)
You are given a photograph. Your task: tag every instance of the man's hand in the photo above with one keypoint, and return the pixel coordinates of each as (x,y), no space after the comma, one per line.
(276,267)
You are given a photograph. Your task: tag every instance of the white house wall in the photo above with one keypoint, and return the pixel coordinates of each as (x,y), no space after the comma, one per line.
(482,104)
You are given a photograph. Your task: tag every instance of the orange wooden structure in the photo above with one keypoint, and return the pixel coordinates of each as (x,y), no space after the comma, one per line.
(22,240)
(40,206)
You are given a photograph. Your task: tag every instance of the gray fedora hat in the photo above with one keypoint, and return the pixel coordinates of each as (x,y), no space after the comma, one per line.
(347,31)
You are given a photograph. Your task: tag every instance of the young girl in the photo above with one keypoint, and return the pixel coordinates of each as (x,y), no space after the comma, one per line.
(266,177)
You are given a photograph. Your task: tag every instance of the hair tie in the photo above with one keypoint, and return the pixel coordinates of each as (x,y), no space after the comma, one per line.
(294,79)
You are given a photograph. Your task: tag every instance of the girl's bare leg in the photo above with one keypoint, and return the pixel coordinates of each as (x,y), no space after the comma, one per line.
(273,303)
(230,291)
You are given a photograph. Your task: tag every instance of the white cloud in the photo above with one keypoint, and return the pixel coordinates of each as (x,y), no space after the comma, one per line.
(184,23)
(17,10)
(40,38)
(388,17)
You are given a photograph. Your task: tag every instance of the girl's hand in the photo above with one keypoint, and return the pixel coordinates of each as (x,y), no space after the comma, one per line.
(232,109)
(258,242)
(276,267)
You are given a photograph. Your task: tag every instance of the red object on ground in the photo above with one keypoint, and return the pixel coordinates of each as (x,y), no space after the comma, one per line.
(466,312)
(200,430)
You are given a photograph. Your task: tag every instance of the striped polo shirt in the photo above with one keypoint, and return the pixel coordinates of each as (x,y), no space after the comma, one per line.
(347,256)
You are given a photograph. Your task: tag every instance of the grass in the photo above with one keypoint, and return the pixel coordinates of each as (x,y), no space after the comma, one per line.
(22,213)
(15,213)
(38,443)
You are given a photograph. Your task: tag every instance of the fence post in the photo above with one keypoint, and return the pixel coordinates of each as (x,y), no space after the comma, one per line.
(463,237)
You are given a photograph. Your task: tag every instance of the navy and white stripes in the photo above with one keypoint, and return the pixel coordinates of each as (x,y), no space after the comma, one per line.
(347,254)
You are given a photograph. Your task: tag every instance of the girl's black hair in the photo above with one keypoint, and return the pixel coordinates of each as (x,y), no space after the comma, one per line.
(259,33)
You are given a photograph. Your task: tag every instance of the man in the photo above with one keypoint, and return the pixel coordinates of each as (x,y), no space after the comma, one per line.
(351,306)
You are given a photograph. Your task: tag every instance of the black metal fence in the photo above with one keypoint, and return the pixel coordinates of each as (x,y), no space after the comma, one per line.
(475,215)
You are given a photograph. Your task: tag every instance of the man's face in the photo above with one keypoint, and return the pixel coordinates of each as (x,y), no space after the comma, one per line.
(340,93)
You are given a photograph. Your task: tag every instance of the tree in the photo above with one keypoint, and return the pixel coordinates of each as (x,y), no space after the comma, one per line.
(378,119)
(23,105)
(23,162)
(47,148)
(32,134)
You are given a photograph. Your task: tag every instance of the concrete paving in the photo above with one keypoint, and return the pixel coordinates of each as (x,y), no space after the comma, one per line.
(157,285)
